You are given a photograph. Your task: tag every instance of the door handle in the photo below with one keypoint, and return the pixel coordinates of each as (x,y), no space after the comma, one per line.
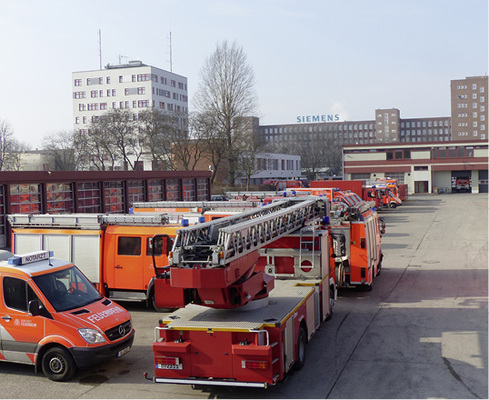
(7,318)
(118,266)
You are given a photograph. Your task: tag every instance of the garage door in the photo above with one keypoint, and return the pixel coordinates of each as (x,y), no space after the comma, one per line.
(483,182)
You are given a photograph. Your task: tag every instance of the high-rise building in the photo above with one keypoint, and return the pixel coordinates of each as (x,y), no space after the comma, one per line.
(469,108)
(387,125)
(135,86)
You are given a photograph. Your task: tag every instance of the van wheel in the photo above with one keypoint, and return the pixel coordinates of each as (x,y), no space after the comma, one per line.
(301,349)
(58,364)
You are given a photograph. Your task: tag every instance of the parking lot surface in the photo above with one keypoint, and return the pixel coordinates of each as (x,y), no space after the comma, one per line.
(421,332)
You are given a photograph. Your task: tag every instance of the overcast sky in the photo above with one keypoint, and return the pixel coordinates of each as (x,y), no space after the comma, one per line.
(310,57)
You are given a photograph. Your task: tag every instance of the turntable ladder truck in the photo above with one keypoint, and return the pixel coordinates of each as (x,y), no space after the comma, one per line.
(245,327)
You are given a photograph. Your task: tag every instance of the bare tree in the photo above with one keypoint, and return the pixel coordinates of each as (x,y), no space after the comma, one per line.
(8,147)
(99,150)
(187,144)
(154,126)
(214,145)
(311,152)
(121,124)
(65,149)
(114,137)
(333,155)
(248,162)
(226,93)
(250,146)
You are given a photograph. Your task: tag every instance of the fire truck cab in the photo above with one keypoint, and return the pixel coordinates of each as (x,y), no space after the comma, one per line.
(52,317)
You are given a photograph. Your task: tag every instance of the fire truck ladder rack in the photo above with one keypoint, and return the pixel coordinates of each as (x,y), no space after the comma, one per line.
(210,205)
(217,243)
(259,195)
(84,221)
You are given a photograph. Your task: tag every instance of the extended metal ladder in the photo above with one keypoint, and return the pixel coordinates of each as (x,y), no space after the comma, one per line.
(218,242)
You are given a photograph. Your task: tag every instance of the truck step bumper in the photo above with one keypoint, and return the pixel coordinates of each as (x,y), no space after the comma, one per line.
(209,382)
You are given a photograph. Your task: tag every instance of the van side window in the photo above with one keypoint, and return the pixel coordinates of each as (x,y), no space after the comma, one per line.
(17,293)
(129,246)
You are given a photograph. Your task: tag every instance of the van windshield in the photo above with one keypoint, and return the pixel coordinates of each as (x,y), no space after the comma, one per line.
(67,289)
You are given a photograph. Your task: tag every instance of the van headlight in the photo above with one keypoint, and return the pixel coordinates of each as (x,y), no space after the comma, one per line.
(91,335)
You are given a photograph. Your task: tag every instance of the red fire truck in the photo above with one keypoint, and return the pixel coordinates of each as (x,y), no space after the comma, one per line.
(238,331)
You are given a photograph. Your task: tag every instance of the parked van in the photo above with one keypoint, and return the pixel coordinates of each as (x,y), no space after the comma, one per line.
(51,316)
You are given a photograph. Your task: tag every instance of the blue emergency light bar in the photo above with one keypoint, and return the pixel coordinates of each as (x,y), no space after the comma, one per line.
(30,257)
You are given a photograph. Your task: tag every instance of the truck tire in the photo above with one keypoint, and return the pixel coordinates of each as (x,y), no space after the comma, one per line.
(58,364)
(331,303)
(393,205)
(153,303)
(379,265)
(301,349)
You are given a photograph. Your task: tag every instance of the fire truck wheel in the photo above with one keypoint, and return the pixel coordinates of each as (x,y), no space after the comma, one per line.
(301,349)
(331,304)
(58,364)
(153,303)
(393,205)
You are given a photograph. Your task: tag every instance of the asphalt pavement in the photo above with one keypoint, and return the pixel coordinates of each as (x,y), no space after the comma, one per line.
(420,333)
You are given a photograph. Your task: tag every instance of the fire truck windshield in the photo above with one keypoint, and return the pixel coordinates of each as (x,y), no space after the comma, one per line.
(67,289)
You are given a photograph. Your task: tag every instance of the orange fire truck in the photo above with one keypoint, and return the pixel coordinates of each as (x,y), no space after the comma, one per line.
(382,195)
(113,251)
(53,318)
(356,230)
(260,283)
(357,249)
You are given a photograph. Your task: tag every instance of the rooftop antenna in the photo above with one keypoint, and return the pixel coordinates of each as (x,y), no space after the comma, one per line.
(171,58)
(100,47)
(121,57)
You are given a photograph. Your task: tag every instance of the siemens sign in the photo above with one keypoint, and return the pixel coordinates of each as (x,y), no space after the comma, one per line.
(318,118)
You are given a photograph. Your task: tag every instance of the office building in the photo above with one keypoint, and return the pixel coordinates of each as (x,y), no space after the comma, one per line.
(468,121)
(469,108)
(135,86)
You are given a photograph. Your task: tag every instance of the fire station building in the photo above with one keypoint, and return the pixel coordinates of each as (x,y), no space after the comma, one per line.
(431,167)
(49,192)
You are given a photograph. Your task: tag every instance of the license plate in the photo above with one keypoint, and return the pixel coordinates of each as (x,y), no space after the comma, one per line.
(123,351)
(167,366)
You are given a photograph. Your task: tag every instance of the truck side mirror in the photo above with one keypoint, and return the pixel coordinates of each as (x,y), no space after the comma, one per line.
(34,308)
